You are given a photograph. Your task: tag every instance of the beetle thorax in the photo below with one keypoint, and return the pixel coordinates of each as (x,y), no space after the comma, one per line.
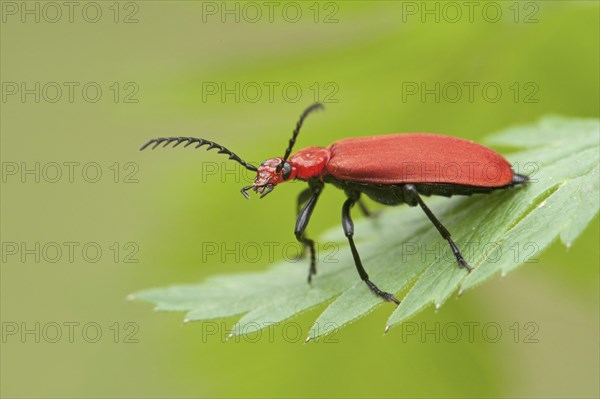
(310,162)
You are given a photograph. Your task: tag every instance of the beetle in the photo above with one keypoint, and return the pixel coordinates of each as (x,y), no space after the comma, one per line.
(391,169)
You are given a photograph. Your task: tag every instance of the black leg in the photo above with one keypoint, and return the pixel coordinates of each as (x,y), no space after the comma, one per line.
(366,210)
(302,221)
(302,198)
(412,197)
(300,201)
(348,226)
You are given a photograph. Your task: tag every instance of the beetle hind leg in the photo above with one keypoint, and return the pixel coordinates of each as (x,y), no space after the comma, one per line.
(348,227)
(413,198)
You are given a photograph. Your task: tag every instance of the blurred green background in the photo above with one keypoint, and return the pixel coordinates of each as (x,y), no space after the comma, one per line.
(359,58)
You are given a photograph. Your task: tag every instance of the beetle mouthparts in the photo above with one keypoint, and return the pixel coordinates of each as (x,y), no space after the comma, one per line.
(262,190)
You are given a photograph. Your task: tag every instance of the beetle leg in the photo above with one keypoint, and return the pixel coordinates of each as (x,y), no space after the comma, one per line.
(302,221)
(302,198)
(413,198)
(366,210)
(348,226)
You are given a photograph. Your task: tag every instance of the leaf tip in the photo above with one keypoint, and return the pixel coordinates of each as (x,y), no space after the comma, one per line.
(130,297)
(308,339)
(387,328)
(185,321)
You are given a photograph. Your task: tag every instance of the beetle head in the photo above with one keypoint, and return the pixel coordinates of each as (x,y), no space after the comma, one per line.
(268,176)
(278,170)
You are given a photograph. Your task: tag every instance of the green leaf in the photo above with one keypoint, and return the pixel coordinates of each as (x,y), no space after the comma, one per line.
(402,251)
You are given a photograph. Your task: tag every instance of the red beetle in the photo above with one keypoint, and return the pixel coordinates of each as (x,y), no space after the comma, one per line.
(391,169)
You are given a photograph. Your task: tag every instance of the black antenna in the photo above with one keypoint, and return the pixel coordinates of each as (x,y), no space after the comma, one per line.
(191,140)
(288,151)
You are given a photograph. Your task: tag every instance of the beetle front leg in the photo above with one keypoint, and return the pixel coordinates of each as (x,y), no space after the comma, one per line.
(348,227)
(300,201)
(302,198)
(302,221)
(412,197)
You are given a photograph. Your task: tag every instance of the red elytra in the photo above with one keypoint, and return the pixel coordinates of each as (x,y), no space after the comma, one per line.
(391,169)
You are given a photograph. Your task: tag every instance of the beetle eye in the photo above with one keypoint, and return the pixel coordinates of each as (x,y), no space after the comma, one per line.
(287,171)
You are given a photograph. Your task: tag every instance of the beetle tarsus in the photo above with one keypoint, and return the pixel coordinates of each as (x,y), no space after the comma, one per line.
(459,258)
(385,295)
(463,263)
